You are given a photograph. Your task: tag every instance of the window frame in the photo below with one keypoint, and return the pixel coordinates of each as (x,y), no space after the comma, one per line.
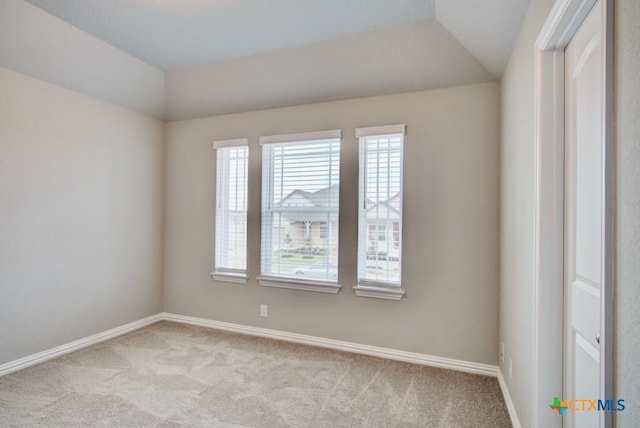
(274,280)
(368,287)
(220,272)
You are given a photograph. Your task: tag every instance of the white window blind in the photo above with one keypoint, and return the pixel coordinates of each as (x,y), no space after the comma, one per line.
(231,210)
(380,212)
(300,203)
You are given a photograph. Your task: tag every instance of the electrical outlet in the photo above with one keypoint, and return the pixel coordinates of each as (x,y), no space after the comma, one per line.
(510,369)
(263,310)
(501,352)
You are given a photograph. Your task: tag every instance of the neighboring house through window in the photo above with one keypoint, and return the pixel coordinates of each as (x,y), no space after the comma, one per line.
(300,204)
(231,210)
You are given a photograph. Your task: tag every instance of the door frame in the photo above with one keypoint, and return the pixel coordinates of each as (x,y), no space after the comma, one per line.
(563,21)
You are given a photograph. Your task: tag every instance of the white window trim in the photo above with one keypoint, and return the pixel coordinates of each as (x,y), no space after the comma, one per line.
(303,136)
(230,143)
(236,276)
(379,289)
(381,130)
(299,284)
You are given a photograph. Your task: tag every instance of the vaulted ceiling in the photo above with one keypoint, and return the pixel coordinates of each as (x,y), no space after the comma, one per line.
(221,56)
(172,34)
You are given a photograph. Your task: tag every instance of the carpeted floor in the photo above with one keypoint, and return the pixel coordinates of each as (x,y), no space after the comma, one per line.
(170,374)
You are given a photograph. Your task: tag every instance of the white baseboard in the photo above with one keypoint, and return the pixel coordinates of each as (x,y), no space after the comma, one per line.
(511,408)
(43,356)
(375,351)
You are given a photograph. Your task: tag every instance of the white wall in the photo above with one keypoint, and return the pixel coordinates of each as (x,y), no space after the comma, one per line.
(517,242)
(450,223)
(80,216)
(627,287)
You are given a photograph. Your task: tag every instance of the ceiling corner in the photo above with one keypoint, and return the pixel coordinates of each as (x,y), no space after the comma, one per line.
(474,22)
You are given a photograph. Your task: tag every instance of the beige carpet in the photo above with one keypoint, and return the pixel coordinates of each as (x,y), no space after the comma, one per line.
(170,374)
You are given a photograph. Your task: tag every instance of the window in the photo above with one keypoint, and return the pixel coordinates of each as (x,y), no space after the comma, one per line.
(396,235)
(380,211)
(231,210)
(300,201)
(324,230)
(377,232)
(372,232)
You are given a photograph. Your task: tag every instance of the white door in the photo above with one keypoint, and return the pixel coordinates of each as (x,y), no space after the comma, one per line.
(584,219)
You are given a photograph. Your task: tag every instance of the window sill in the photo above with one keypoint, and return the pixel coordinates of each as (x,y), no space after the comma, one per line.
(299,284)
(238,278)
(378,291)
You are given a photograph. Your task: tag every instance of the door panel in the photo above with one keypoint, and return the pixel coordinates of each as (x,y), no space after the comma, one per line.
(587,364)
(584,226)
(588,104)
